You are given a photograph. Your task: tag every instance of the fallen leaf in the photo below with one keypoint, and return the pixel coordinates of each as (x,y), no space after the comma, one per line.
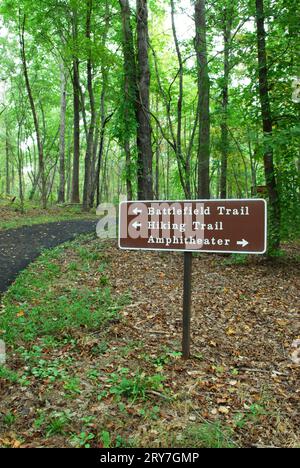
(223,410)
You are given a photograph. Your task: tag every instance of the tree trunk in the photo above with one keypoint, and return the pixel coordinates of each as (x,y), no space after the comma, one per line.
(130,90)
(144,145)
(7,165)
(75,198)
(98,153)
(267,126)
(183,165)
(225,101)
(62,136)
(34,115)
(101,146)
(87,189)
(204,101)
(13,179)
(20,167)
(157,158)
(104,122)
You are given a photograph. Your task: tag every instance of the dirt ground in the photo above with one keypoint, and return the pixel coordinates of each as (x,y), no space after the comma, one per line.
(19,247)
(245,318)
(242,373)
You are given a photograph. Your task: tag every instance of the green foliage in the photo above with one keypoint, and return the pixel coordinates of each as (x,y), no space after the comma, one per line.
(252,416)
(57,424)
(44,313)
(72,387)
(9,419)
(108,442)
(134,387)
(207,435)
(56,34)
(82,440)
(9,375)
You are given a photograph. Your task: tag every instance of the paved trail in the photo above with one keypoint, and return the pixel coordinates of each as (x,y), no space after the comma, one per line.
(19,247)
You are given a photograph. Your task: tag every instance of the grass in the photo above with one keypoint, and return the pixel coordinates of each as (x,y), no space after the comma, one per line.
(134,387)
(53,309)
(39,310)
(207,435)
(11,216)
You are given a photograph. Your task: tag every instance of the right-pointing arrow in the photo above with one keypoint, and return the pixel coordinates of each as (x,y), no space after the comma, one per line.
(243,243)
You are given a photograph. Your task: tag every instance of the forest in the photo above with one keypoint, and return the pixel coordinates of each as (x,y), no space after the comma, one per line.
(160,99)
(103,101)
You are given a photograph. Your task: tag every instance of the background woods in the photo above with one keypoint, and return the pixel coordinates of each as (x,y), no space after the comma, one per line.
(153,99)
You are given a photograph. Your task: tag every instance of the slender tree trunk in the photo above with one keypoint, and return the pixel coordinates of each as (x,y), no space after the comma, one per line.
(34,115)
(20,167)
(104,120)
(13,179)
(62,136)
(157,158)
(180,97)
(144,144)
(75,197)
(130,90)
(168,172)
(7,165)
(69,165)
(183,165)
(253,166)
(87,189)
(204,101)
(267,126)
(101,145)
(103,186)
(225,101)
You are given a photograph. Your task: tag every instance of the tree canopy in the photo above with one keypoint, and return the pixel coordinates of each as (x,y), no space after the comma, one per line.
(151,99)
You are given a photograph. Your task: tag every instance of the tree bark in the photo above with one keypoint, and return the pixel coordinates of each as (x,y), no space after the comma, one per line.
(20,166)
(184,166)
(157,156)
(7,165)
(104,120)
(130,91)
(267,126)
(34,115)
(75,197)
(225,101)
(144,145)
(62,136)
(204,101)
(87,189)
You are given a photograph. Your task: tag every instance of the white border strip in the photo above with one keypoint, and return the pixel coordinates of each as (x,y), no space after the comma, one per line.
(145,249)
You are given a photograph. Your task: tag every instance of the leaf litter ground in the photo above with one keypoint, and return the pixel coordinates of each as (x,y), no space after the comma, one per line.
(123,383)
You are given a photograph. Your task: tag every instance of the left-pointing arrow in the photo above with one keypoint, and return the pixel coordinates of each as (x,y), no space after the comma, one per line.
(137,211)
(243,243)
(136,225)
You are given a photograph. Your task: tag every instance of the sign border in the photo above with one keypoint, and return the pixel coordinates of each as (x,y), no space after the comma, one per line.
(198,250)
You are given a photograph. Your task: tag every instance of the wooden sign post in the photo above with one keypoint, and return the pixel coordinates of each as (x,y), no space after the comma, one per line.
(187,304)
(207,226)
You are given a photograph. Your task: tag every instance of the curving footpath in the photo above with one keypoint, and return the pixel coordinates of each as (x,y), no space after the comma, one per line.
(19,247)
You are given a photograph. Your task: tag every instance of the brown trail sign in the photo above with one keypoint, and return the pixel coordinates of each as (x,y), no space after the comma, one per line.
(210,226)
(231,226)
